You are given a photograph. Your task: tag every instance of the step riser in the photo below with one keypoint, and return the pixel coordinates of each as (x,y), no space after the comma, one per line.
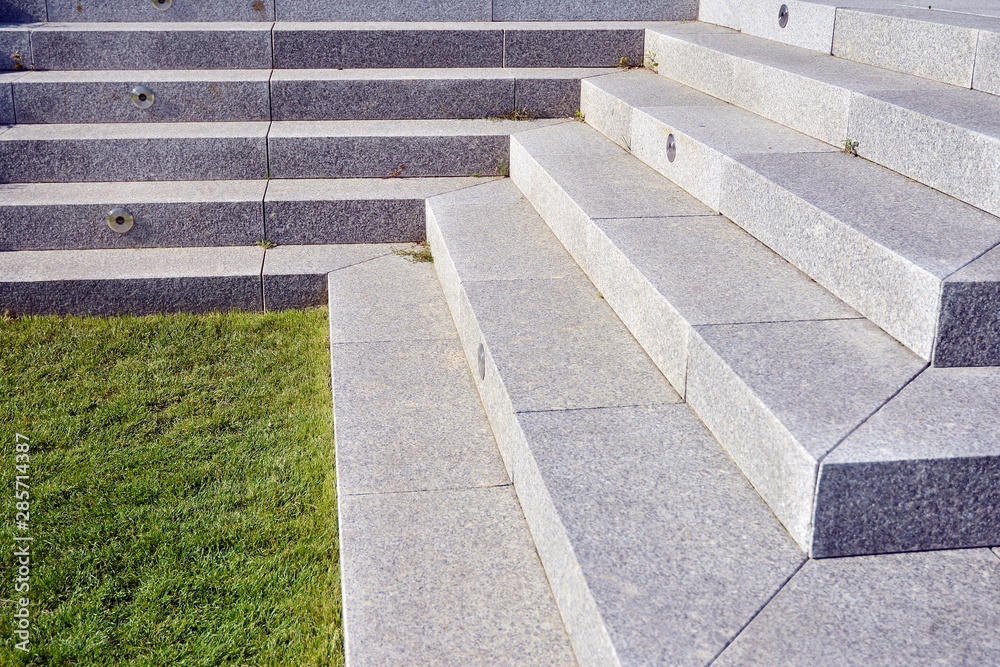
(143,11)
(131,160)
(887,134)
(907,301)
(366,221)
(382,157)
(111,102)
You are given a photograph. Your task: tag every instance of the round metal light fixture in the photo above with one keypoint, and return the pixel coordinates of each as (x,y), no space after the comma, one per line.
(120,220)
(482,362)
(783,16)
(671,148)
(142,97)
(162,5)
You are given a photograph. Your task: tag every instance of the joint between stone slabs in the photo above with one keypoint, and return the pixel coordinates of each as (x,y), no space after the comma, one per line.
(780,588)
(598,407)
(263,293)
(736,324)
(396,341)
(975,59)
(442,489)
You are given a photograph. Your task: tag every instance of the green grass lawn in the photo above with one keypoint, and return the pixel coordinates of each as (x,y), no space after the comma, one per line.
(182,490)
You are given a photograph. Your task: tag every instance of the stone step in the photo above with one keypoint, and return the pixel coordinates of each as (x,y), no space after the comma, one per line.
(374,94)
(97,11)
(323,45)
(437,561)
(940,135)
(68,216)
(64,153)
(917,263)
(127,96)
(955,41)
(141,281)
(657,549)
(853,443)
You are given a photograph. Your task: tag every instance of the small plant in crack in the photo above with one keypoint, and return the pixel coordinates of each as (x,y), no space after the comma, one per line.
(266,244)
(850,147)
(649,61)
(580,116)
(503,168)
(418,252)
(397,172)
(516,114)
(18,59)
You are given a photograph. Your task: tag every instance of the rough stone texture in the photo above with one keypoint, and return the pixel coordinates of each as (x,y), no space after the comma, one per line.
(347,45)
(145,46)
(559,346)
(810,25)
(547,97)
(923,42)
(445,573)
(571,47)
(415,311)
(780,396)
(890,273)
(969,329)
(946,138)
(14,39)
(409,419)
(987,74)
(22,11)
(130,10)
(352,210)
(381,149)
(104,97)
(936,608)
(133,152)
(384,10)
(52,216)
(595,10)
(674,580)
(389,94)
(138,282)
(922,473)
(7,96)
(296,276)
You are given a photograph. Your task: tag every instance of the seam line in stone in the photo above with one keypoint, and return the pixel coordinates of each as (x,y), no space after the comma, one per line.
(449,488)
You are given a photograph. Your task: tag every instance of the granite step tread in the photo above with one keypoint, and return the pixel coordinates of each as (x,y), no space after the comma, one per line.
(438,563)
(806,396)
(248,151)
(603,456)
(109,96)
(916,262)
(955,42)
(68,216)
(942,136)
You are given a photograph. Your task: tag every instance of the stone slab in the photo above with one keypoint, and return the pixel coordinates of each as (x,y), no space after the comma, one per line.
(137,282)
(295,276)
(923,473)
(151,46)
(138,12)
(384,10)
(304,211)
(53,216)
(916,609)
(105,96)
(408,416)
(445,573)
(915,41)
(23,11)
(810,25)
(780,396)
(353,45)
(14,42)
(579,47)
(595,10)
(401,304)
(987,73)
(7,80)
(891,273)
(946,138)
(674,579)
(969,328)
(383,149)
(133,152)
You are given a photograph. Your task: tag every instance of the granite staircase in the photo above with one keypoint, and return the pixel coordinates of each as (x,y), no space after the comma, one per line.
(708,378)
